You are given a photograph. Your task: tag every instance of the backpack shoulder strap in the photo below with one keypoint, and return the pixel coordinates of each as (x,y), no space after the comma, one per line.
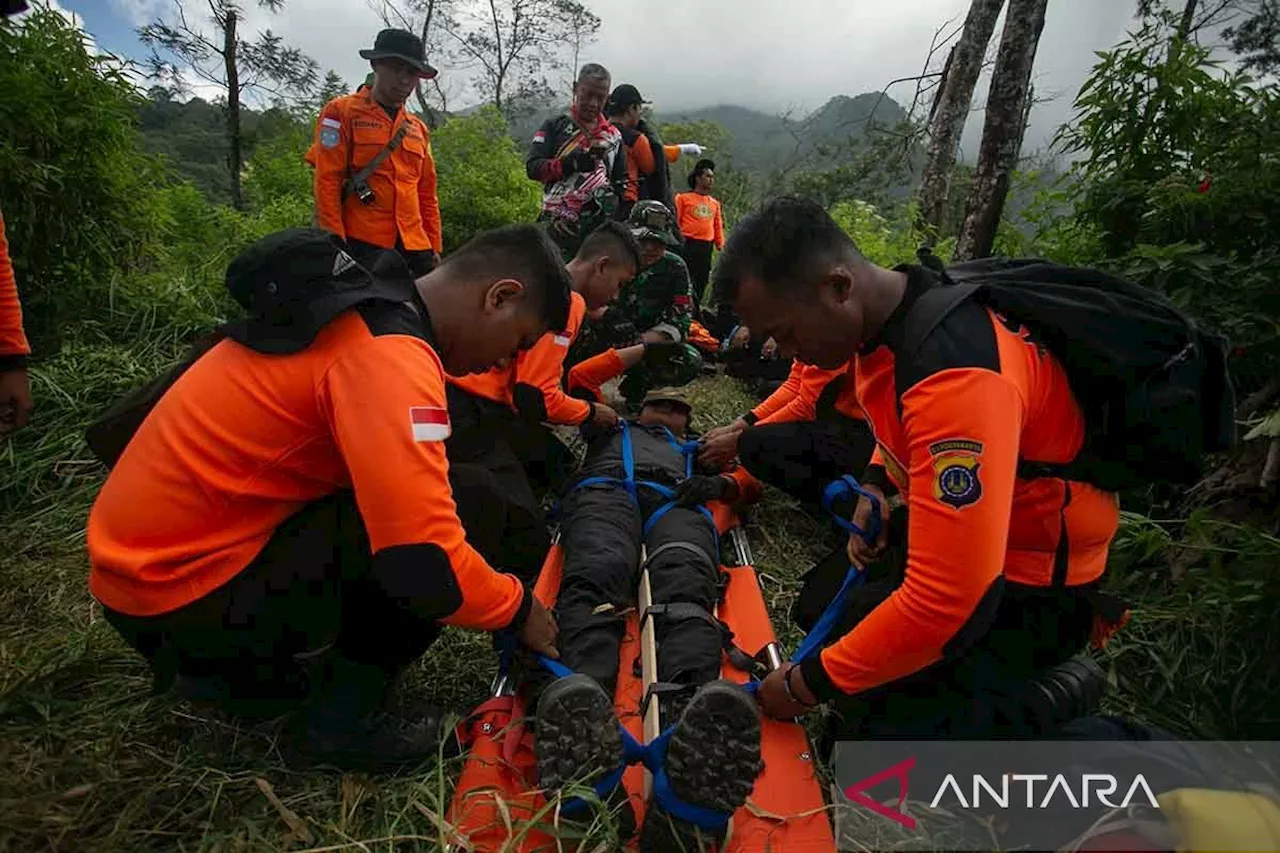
(378,159)
(930,309)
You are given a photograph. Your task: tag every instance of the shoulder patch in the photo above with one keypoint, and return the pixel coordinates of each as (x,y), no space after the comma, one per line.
(562,340)
(329,121)
(329,136)
(540,137)
(956,463)
(429,423)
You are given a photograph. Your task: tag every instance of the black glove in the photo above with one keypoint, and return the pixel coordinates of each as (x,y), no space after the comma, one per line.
(578,161)
(699,489)
(660,353)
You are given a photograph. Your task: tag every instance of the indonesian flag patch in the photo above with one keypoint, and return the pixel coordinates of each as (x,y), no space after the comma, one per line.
(430,423)
(562,340)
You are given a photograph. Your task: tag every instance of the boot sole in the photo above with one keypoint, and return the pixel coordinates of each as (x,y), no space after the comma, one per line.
(577,736)
(713,761)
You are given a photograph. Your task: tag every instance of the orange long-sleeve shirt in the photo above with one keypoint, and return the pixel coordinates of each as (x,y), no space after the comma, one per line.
(952,422)
(533,384)
(700,218)
(242,441)
(349,134)
(13,340)
(640,161)
(797,399)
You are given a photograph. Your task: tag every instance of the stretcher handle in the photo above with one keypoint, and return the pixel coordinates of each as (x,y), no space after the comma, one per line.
(845,488)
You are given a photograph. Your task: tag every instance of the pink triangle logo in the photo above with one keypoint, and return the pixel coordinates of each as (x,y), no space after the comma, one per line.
(898,771)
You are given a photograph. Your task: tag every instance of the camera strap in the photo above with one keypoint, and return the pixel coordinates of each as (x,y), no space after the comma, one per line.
(353,181)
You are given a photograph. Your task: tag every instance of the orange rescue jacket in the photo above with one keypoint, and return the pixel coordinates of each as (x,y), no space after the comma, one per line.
(242,441)
(807,390)
(700,218)
(532,383)
(350,132)
(950,427)
(13,340)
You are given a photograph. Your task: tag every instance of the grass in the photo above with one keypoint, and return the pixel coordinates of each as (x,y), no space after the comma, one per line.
(91,761)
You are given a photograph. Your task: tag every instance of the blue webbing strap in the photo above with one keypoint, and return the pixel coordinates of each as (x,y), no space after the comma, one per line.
(653,756)
(838,490)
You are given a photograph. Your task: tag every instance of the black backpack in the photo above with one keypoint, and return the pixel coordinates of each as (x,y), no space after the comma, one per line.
(1153,385)
(291,284)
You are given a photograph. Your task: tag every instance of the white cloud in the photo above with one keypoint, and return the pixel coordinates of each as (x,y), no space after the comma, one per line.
(756,53)
(139,12)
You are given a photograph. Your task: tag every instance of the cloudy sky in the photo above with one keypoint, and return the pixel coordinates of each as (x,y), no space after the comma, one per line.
(766,54)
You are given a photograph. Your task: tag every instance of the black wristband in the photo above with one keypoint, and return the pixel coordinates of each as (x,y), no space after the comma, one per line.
(17,361)
(877,476)
(522,613)
(817,680)
(750,418)
(786,683)
(591,413)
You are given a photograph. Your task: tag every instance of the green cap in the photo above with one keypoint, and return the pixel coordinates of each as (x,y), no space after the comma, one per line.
(668,395)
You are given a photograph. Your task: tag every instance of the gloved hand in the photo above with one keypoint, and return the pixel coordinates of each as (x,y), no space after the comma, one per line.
(700,488)
(658,353)
(578,162)
(691,149)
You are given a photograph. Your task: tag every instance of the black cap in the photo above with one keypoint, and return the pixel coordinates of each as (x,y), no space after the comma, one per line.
(293,282)
(401,44)
(625,96)
(12,7)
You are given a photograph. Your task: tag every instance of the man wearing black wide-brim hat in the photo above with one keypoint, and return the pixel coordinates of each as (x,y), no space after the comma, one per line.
(375,177)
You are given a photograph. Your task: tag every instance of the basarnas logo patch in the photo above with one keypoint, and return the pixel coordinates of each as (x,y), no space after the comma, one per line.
(956,463)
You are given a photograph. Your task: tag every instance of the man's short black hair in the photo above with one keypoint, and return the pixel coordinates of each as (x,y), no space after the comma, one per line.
(788,245)
(524,253)
(594,69)
(613,239)
(703,166)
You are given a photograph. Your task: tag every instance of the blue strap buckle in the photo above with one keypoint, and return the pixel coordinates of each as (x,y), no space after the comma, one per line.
(846,488)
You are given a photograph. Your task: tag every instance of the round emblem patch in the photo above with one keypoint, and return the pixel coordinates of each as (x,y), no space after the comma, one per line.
(329,137)
(956,480)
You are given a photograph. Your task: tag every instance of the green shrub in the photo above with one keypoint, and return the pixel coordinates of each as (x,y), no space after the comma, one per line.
(482,182)
(78,195)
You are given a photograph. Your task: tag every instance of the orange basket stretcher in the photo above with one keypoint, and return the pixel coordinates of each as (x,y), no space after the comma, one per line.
(497,806)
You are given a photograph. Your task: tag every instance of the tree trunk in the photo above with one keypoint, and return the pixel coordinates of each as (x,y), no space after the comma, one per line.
(1188,18)
(433,120)
(1006,123)
(233,108)
(955,96)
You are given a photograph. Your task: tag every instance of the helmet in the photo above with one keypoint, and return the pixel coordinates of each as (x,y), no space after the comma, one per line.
(652,219)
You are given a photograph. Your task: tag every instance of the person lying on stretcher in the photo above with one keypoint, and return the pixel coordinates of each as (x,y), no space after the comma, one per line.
(713,757)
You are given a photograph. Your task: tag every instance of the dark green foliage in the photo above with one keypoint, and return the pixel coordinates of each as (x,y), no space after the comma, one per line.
(1178,183)
(482,183)
(75,187)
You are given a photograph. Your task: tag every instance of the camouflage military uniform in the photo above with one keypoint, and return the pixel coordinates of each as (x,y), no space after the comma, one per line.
(660,298)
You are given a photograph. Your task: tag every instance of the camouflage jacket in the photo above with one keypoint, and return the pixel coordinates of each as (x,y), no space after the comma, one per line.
(662,295)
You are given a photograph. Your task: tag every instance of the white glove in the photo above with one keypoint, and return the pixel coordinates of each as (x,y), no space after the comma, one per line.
(691,148)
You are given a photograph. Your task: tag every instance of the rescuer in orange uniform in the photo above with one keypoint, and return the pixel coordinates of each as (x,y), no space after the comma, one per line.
(1001,571)
(809,427)
(392,205)
(282,528)
(701,225)
(498,415)
(15,389)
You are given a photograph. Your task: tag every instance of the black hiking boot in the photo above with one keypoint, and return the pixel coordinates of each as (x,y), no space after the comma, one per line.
(245,700)
(345,726)
(578,743)
(713,760)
